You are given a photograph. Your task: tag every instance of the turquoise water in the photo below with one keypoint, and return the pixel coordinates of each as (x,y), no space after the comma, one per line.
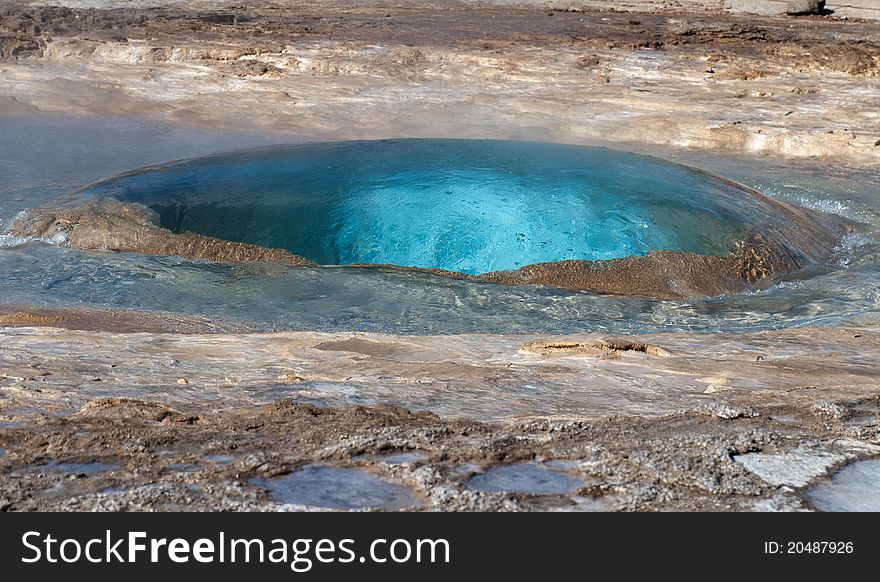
(471,206)
(44,158)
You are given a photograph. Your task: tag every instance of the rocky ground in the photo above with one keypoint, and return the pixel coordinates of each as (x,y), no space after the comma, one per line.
(685,75)
(166,459)
(670,421)
(192,414)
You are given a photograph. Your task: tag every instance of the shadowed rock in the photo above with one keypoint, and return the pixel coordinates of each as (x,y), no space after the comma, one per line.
(804,7)
(605,347)
(107,224)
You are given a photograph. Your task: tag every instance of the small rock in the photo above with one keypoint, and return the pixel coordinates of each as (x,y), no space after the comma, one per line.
(728,412)
(804,7)
(588,62)
(290,378)
(251,68)
(829,409)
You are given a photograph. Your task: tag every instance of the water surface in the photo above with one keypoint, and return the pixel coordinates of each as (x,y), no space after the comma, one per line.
(43,159)
(471,206)
(338,488)
(532,478)
(90,468)
(856,487)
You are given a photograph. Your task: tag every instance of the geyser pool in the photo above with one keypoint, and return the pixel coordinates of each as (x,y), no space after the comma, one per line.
(272,296)
(470,206)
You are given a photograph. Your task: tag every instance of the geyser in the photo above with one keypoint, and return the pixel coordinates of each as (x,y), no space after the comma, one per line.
(500,211)
(458,205)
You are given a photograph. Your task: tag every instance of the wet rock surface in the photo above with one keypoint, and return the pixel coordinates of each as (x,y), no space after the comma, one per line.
(855,487)
(682,461)
(661,77)
(529,478)
(337,488)
(704,426)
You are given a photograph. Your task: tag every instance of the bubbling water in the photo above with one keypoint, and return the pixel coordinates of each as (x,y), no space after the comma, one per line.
(471,206)
(316,199)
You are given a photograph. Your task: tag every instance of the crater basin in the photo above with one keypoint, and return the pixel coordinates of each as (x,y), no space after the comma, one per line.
(260,239)
(468,206)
